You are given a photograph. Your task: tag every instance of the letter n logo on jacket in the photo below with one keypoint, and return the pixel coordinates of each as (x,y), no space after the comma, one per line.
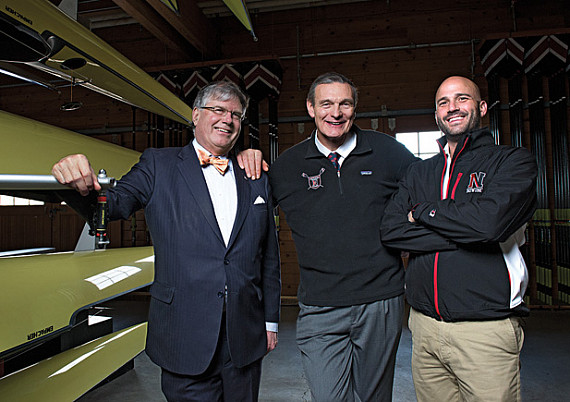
(476,182)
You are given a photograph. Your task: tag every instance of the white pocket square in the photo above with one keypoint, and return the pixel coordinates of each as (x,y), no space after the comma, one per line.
(259,200)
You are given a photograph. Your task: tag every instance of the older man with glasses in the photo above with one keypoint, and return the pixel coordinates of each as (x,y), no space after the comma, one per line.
(216,295)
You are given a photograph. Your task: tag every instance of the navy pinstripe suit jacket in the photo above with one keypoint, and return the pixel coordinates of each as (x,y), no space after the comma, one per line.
(192,263)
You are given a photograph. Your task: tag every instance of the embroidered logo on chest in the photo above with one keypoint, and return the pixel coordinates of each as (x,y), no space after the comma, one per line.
(476,182)
(315,182)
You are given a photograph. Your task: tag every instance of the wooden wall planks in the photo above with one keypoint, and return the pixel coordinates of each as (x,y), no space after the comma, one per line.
(397,71)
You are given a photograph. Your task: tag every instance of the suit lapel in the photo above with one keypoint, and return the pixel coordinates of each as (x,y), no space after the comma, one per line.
(244,198)
(191,171)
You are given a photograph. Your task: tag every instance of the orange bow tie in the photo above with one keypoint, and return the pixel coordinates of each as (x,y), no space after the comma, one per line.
(221,165)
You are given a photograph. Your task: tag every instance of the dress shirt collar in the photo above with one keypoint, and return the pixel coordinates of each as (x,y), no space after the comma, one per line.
(344,150)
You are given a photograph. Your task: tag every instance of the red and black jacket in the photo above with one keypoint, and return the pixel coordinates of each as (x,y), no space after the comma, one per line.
(457,269)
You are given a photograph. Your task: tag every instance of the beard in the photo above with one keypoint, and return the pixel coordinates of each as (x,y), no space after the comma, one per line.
(456,133)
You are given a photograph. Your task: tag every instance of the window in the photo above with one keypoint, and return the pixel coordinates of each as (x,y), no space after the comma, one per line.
(7,201)
(422,143)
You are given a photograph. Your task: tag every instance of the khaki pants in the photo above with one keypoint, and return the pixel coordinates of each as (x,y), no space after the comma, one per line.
(466,361)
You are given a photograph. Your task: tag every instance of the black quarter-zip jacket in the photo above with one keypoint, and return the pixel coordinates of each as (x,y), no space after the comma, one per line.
(458,268)
(335,219)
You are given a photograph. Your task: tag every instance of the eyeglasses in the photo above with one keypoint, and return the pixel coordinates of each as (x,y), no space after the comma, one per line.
(221,111)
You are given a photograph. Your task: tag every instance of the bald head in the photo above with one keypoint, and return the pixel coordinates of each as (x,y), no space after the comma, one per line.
(458,107)
(461,83)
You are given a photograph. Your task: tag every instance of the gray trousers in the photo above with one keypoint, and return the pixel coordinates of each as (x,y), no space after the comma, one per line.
(349,353)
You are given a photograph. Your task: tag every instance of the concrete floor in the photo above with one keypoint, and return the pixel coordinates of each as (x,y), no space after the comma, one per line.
(545,366)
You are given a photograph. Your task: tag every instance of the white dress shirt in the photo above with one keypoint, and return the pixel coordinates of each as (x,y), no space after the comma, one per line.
(223,193)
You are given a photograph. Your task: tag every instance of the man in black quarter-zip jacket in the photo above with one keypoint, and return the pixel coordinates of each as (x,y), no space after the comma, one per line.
(461,215)
(351,291)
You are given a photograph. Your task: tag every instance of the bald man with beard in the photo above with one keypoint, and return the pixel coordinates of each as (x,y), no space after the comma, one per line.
(461,215)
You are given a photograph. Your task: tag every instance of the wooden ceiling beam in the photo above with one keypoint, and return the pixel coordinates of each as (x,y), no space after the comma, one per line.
(162,27)
(192,24)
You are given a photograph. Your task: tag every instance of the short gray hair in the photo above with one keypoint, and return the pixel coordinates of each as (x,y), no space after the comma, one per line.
(330,78)
(222,91)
